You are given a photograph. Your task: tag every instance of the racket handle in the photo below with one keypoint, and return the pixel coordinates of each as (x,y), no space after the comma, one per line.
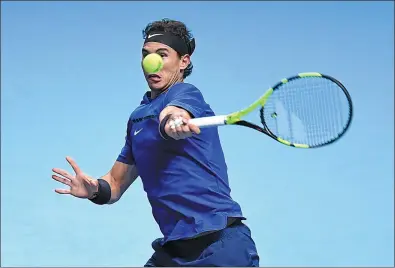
(210,121)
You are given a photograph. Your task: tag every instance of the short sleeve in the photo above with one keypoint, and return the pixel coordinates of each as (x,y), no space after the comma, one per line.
(126,155)
(187,97)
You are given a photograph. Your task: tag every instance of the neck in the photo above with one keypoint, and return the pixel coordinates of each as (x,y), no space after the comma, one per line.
(156,92)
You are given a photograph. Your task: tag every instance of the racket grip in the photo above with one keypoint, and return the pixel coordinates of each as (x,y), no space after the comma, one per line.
(210,121)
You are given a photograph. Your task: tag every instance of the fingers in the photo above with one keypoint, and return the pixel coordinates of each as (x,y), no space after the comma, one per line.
(62,180)
(65,177)
(63,173)
(188,128)
(194,129)
(177,128)
(62,191)
(172,131)
(185,129)
(73,164)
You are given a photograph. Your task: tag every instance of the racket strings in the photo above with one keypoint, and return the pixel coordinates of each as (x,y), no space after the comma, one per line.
(309,111)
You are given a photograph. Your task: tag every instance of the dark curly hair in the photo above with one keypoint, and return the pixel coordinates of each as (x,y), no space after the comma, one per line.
(177,28)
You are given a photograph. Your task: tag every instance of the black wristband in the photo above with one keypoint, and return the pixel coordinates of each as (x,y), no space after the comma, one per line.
(162,125)
(103,194)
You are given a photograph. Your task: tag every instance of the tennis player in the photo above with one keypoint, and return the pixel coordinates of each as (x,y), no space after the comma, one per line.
(183,169)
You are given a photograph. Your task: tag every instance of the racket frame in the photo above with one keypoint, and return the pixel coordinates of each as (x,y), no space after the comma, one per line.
(236,117)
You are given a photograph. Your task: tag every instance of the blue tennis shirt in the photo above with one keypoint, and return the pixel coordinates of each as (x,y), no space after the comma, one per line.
(186,181)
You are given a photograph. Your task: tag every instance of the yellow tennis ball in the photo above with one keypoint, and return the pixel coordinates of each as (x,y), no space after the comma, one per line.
(152,63)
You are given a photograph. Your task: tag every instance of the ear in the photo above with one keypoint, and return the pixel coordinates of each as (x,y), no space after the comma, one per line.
(185,61)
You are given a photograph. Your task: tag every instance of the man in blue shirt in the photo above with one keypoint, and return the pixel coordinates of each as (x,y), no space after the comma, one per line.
(182,168)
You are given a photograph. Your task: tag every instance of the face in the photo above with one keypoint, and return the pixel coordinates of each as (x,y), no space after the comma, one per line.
(173,66)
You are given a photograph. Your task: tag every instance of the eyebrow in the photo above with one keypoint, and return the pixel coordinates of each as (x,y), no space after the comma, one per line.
(158,50)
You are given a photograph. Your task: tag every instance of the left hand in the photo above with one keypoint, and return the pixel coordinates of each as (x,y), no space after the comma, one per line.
(180,131)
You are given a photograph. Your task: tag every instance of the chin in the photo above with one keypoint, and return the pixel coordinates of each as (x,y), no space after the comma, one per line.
(156,86)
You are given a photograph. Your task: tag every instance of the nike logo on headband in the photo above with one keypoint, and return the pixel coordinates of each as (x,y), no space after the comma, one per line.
(152,35)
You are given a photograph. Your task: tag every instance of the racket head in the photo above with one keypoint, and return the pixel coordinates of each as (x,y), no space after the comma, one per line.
(308,110)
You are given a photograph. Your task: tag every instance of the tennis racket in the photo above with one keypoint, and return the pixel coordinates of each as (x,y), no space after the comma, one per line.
(308,110)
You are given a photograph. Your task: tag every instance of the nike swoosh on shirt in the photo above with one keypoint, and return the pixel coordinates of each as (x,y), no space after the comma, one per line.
(137,131)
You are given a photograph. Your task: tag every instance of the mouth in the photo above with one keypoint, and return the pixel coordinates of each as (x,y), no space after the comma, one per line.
(153,78)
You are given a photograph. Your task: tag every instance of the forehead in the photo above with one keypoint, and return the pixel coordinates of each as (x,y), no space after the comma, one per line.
(152,47)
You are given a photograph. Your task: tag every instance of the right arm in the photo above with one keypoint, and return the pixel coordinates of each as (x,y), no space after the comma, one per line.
(124,171)
(120,177)
(109,188)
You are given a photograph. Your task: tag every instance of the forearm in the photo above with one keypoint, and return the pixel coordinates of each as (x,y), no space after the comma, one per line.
(119,179)
(115,188)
